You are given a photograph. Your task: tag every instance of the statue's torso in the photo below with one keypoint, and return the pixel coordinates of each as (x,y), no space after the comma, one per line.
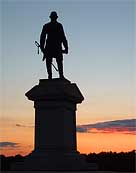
(54,38)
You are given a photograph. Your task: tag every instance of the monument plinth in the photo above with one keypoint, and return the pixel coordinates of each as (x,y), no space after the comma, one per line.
(55,119)
(55,103)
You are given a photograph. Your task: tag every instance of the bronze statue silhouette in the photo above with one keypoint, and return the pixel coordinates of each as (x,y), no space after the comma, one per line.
(51,40)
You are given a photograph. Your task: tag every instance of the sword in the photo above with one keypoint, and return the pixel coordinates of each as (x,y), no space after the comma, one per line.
(38,46)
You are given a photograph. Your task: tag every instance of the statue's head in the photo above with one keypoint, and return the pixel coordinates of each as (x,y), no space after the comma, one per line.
(53,15)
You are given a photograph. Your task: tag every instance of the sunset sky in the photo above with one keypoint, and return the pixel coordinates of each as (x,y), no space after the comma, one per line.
(101,62)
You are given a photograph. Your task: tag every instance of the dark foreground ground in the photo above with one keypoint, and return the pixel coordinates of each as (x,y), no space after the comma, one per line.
(115,162)
(62,172)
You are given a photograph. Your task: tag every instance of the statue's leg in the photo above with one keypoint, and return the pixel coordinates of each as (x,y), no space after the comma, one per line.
(48,66)
(60,66)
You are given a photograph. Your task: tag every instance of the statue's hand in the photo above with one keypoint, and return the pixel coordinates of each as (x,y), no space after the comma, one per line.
(65,51)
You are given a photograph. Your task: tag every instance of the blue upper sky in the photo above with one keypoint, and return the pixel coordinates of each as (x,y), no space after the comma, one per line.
(100,60)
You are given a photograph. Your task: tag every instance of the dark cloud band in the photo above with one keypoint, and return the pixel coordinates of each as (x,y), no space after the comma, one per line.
(28,126)
(8,144)
(127,126)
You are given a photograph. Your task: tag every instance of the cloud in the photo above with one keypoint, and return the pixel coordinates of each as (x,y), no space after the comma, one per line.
(8,144)
(127,126)
(28,126)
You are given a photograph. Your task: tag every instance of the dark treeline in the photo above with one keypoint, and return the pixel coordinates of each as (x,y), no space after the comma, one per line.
(7,161)
(112,161)
(106,161)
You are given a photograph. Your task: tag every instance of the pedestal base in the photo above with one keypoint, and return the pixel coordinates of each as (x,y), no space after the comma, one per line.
(55,162)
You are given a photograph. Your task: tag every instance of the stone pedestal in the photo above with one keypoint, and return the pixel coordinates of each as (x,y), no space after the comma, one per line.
(55,119)
(55,147)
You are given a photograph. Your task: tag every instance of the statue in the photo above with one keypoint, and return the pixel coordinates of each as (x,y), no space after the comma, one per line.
(54,35)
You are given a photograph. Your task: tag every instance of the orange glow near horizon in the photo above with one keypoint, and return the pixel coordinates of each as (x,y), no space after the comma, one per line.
(86,142)
(98,142)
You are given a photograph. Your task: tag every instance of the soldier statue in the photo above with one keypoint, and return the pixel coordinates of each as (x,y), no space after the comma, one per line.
(51,40)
